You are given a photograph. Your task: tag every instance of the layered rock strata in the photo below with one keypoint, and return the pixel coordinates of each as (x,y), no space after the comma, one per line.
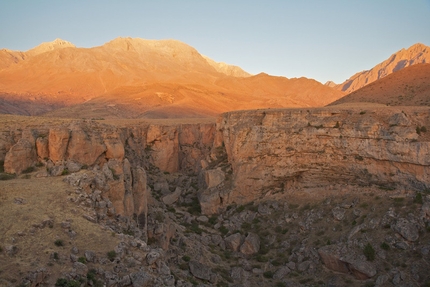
(273,151)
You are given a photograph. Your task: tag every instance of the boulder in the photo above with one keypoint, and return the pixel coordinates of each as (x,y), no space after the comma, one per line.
(171,198)
(281,273)
(338,213)
(251,244)
(233,241)
(338,258)
(200,271)
(21,156)
(213,177)
(140,279)
(406,229)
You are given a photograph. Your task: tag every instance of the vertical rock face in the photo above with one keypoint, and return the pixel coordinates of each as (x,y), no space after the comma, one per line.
(278,150)
(84,146)
(164,145)
(42,147)
(58,140)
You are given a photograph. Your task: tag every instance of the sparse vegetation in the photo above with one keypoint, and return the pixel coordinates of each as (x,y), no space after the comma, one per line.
(29,169)
(268,274)
(369,252)
(186,258)
(111,255)
(65,172)
(82,260)
(61,282)
(59,242)
(418,198)
(385,246)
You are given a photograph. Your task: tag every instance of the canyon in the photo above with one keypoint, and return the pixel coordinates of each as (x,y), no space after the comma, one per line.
(144,163)
(130,177)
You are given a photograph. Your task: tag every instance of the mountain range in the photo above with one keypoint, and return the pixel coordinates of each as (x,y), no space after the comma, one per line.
(137,78)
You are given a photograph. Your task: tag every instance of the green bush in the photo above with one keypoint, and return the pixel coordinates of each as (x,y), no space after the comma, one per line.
(223,230)
(186,258)
(369,252)
(111,255)
(65,172)
(29,169)
(385,246)
(7,176)
(418,198)
(268,274)
(59,242)
(213,219)
(82,259)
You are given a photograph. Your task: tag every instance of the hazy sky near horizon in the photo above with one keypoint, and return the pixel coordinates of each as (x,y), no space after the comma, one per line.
(323,40)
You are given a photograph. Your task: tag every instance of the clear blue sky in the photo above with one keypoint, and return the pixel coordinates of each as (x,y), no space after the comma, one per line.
(320,39)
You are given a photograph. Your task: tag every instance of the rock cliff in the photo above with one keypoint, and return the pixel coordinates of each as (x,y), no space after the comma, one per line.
(278,151)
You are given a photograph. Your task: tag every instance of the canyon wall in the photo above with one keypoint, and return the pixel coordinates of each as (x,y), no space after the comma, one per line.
(116,159)
(246,156)
(321,152)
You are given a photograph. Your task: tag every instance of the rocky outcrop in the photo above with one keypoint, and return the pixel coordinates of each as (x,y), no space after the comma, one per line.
(339,259)
(21,156)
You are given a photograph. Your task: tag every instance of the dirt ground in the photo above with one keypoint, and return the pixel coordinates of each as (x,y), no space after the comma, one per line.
(24,204)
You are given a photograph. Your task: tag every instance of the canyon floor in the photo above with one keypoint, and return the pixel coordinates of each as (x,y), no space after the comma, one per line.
(356,235)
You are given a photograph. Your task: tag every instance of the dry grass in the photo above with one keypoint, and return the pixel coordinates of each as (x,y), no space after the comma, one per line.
(45,198)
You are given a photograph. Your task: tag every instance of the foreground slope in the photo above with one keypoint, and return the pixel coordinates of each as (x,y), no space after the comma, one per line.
(406,87)
(140,78)
(416,54)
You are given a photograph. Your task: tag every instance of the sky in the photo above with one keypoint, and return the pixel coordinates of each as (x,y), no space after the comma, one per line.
(320,39)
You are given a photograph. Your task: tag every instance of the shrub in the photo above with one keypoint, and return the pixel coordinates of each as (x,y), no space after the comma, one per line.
(65,172)
(1,166)
(223,230)
(111,255)
(369,252)
(29,169)
(213,219)
(385,246)
(186,258)
(59,242)
(7,176)
(82,260)
(268,274)
(61,282)
(56,257)
(418,198)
